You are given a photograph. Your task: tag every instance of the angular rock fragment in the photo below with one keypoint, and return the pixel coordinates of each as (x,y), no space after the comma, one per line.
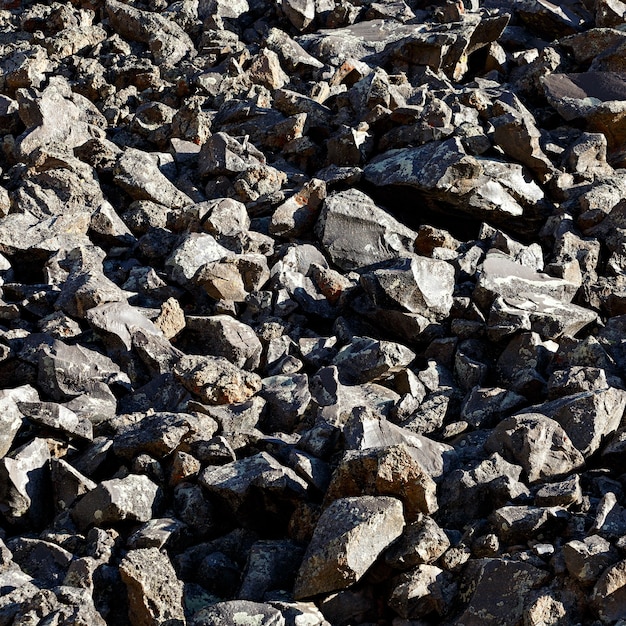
(348,538)
(131,498)
(355,232)
(538,444)
(155,595)
(215,380)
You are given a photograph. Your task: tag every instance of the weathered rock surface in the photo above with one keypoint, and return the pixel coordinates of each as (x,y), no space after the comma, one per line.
(312,312)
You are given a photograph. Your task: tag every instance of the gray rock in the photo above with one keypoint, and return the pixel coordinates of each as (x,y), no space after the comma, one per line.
(57,417)
(271,566)
(609,593)
(132,498)
(348,538)
(168,42)
(595,97)
(118,322)
(424,590)
(46,562)
(586,417)
(238,613)
(155,595)
(24,483)
(287,398)
(225,155)
(225,336)
(355,232)
(138,174)
(515,523)
(415,284)
(239,482)
(68,483)
(587,559)
(66,371)
(538,444)
(422,542)
(365,360)
(215,380)
(158,434)
(58,116)
(497,590)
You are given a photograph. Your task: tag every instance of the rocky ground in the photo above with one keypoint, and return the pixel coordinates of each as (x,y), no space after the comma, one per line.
(312,312)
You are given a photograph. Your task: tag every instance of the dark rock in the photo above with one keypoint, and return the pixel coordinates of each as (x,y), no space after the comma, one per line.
(132,498)
(363,526)
(154,592)
(238,613)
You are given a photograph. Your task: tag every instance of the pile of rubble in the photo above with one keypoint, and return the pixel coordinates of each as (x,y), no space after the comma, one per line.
(312,312)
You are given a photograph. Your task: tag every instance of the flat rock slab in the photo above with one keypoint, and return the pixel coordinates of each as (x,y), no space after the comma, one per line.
(350,535)
(238,613)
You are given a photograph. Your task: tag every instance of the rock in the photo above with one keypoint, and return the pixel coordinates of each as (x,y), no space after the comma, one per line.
(538,444)
(24,481)
(155,594)
(132,498)
(587,559)
(366,359)
(238,613)
(587,416)
(491,596)
(287,398)
(215,380)
(385,471)
(421,592)
(349,537)
(222,335)
(138,174)
(374,235)
(242,482)
(168,42)
(422,542)
(608,593)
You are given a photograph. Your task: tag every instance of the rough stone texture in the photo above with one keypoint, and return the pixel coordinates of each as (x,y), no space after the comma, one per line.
(155,595)
(348,538)
(270,272)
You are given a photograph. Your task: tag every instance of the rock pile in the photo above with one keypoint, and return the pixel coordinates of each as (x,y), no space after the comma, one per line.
(312,312)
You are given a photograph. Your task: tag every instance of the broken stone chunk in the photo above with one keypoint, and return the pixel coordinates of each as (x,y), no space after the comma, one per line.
(215,380)
(132,498)
(155,595)
(349,536)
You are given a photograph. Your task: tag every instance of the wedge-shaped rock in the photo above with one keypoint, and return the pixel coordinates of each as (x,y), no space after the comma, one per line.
(57,417)
(387,471)
(155,594)
(355,232)
(609,593)
(66,372)
(538,444)
(138,174)
(119,499)
(215,380)
(587,417)
(118,323)
(415,284)
(25,483)
(350,535)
